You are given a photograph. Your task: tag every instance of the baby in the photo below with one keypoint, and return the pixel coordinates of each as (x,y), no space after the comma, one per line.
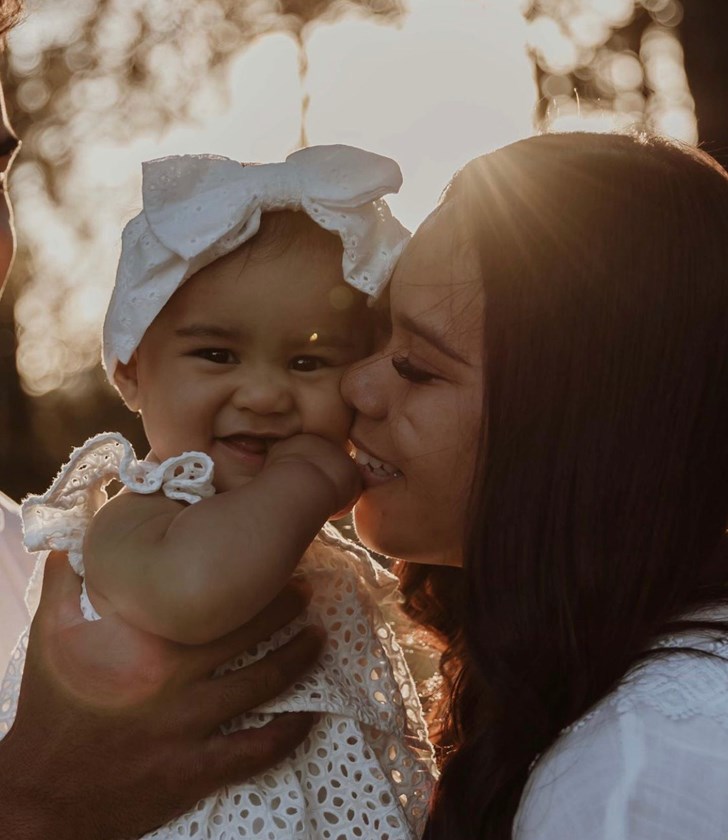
(228,331)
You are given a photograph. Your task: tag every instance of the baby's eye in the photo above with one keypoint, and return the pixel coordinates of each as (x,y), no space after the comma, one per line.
(306,364)
(217,355)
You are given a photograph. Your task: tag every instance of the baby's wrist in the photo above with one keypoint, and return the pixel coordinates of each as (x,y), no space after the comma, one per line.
(317,481)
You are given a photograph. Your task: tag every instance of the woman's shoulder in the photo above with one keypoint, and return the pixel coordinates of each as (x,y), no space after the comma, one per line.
(649,762)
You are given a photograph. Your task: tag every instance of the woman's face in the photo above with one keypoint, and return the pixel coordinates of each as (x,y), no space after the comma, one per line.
(419,402)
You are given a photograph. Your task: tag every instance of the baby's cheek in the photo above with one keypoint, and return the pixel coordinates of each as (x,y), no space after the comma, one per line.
(326,414)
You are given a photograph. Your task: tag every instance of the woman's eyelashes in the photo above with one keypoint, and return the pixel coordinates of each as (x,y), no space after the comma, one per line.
(404,367)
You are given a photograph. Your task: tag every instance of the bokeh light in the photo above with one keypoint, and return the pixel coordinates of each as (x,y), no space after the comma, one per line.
(592,78)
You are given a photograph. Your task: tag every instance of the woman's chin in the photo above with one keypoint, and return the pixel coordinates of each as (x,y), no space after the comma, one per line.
(374,527)
(399,534)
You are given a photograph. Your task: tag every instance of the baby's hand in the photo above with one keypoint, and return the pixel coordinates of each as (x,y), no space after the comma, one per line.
(330,460)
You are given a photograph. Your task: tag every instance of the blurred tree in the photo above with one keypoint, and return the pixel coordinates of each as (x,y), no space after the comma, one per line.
(615,61)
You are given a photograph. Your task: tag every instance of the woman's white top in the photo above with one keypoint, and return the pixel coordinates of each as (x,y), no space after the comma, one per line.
(649,762)
(366,770)
(16,567)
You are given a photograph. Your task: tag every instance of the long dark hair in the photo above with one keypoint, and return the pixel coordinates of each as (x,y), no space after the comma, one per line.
(599,515)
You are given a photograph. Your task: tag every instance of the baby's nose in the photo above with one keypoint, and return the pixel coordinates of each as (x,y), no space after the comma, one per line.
(263,392)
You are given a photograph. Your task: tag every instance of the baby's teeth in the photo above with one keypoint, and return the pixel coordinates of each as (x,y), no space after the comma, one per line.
(361,457)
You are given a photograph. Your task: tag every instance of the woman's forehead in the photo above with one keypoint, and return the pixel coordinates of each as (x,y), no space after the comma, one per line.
(439,257)
(437,290)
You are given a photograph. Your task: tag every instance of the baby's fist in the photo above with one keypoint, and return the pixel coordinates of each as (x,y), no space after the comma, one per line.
(331,462)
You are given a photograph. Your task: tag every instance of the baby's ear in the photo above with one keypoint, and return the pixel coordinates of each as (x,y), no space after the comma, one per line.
(126,380)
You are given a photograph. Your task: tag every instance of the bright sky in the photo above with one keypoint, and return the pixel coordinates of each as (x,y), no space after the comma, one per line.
(452,82)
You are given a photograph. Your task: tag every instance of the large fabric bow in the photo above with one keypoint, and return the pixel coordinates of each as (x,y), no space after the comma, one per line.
(197,208)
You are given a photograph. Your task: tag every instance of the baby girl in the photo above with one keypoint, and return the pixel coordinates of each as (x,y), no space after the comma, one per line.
(240,299)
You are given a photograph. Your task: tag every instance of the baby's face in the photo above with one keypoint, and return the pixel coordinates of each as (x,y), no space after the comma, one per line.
(250,350)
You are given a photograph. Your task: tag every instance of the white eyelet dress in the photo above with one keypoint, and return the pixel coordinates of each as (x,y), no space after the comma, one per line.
(366,770)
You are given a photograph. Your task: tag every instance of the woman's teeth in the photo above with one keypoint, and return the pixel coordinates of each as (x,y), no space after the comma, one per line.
(376,466)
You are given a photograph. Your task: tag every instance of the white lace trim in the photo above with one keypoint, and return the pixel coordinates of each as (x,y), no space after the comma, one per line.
(58,519)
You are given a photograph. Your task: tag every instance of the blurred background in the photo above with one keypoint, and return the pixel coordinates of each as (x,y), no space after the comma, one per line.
(96,86)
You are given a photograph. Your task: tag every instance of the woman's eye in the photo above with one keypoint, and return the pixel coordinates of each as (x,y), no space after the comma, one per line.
(306,364)
(410,372)
(216,355)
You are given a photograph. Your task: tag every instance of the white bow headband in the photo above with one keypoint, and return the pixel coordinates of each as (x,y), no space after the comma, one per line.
(197,208)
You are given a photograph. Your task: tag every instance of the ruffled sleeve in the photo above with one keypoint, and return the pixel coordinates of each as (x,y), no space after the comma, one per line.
(58,519)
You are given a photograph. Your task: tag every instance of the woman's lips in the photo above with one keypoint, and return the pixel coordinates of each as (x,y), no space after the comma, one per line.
(373,471)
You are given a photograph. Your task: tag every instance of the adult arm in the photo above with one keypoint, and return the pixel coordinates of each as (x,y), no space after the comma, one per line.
(191,573)
(117,730)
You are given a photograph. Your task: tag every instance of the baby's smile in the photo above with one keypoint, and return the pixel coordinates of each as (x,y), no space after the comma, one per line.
(250,443)
(248,450)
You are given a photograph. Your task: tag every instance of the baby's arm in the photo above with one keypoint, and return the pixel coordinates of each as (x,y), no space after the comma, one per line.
(194,573)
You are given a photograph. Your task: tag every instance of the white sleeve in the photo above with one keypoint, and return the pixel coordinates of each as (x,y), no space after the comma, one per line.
(636,773)
(16,568)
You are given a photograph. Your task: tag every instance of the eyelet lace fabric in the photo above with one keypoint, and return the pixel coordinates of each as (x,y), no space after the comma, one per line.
(367,769)
(649,762)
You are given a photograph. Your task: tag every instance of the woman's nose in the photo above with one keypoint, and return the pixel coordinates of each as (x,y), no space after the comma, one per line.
(263,392)
(363,385)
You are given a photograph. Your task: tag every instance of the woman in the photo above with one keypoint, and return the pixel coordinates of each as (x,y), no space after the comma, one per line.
(551,415)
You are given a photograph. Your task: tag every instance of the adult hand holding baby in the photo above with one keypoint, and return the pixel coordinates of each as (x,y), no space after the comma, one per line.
(142,714)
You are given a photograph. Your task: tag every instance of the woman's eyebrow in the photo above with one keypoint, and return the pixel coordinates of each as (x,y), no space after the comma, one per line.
(431,337)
